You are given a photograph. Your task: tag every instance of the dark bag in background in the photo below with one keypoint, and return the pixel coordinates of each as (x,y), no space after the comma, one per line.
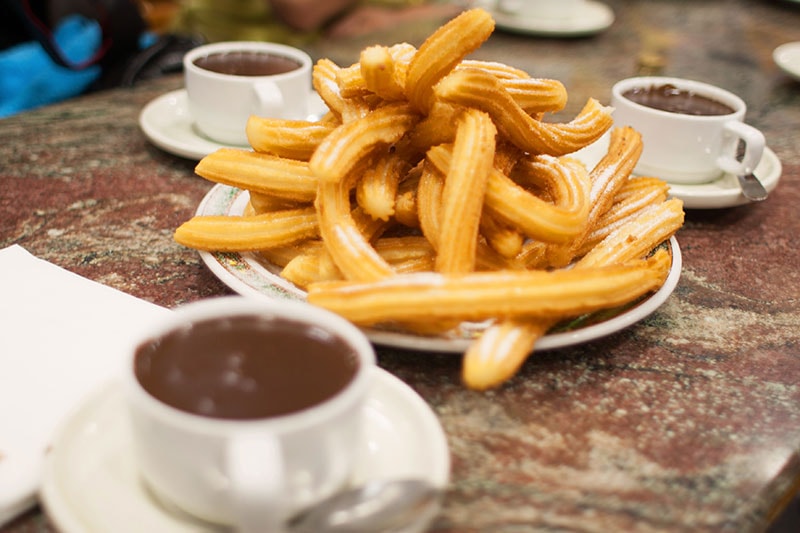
(120,21)
(128,52)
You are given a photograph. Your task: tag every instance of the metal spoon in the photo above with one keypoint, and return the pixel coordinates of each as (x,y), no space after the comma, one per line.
(752,189)
(380,506)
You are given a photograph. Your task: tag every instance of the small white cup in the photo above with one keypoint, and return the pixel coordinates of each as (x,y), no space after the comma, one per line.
(220,104)
(251,474)
(545,9)
(688,149)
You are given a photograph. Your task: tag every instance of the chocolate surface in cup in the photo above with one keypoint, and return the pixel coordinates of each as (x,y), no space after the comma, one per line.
(674,100)
(247,63)
(245,368)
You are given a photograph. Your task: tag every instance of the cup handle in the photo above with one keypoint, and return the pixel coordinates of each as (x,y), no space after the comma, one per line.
(754,144)
(269,99)
(254,464)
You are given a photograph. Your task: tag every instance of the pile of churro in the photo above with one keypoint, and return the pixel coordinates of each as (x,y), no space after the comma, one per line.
(437,192)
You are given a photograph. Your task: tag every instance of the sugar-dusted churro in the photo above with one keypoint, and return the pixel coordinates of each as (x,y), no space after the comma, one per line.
(349,247)
(325,75)
(655,224)
(225,234)
(533,216)
(480,89)
(378,69)
(607,178)
(484,295)
(353,142)
(442,51)
(376,191)
(464,187)
(637,194)
(499,352)
(276,176)
(495,357)
(293,139)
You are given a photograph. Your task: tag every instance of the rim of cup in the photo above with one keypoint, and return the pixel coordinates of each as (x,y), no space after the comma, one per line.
(284,50)
(232,306)
(702,88)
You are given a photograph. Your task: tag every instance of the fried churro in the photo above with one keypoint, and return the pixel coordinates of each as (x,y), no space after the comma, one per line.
(353,142)
(480,89)
(264,173)
(442,51)
(485,295)
(437,190)
(226,234)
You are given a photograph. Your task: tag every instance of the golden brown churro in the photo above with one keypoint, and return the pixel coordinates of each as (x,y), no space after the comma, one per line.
(442,51)
(484,295)
(224,233)
(293,139)
(433,192)
(462,196)
(351,143)
(264,173)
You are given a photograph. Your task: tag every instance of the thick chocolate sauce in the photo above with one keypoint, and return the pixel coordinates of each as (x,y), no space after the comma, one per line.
(245,368)
(670,98)
(246,63)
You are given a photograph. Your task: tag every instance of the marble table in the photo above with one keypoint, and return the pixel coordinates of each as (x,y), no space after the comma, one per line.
(686,421)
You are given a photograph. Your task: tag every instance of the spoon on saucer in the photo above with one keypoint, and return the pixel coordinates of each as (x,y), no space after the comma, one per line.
(751,186)
(379,506)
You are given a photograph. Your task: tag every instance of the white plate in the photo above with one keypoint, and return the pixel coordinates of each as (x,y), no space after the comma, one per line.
(787,57)
(249,275)
(720,193)
(167,123)
(593,18)
(90,482)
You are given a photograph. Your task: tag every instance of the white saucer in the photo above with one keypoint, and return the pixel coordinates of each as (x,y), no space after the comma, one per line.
(167,123)
(594,18)
(720,193)
(90,482)
(787,57)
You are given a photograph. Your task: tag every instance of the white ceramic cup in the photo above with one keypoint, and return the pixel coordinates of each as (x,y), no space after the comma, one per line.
(250,474)
(688,149)
(546,9)
(220,104)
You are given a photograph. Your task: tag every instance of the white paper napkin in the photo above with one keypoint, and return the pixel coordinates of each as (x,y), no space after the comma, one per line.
(61,336)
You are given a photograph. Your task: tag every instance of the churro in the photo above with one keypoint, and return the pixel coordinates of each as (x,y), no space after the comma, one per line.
(462,197)
(347,244)
(264,173)
(480,89)
(442,51)
(293,139)
(227,234)
(353,142)
(436,191)
(485,295)
(380,77)
(535,217)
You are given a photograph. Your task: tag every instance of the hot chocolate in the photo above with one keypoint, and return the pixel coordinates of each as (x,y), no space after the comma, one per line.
(247,63)
(245,368)
(669,98)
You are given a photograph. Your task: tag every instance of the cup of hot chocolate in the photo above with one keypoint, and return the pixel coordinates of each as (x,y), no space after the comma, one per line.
(228,82)
(693,132)
(244,411)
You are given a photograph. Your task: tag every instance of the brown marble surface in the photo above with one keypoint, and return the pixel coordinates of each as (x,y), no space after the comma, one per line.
(687,421)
